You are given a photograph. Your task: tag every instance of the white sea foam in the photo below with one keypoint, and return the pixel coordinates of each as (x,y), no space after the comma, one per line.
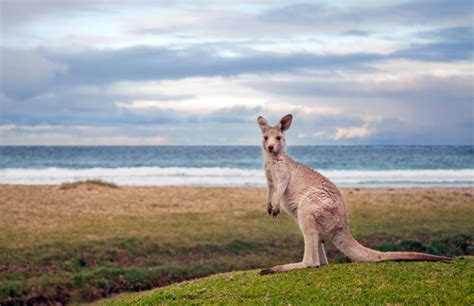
(157,176)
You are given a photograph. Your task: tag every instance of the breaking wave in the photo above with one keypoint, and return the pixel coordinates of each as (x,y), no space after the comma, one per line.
(234,177)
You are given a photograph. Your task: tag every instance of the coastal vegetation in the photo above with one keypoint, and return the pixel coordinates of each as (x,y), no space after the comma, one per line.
(89,241)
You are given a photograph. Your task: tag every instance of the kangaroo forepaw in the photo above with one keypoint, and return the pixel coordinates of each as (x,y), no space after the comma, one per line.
(275,212)
(266,271)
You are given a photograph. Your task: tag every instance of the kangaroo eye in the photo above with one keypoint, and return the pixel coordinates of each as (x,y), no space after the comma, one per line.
(265,137)
(278,137)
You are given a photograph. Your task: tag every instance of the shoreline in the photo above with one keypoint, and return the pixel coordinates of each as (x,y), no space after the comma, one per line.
(237,187)
(236,177)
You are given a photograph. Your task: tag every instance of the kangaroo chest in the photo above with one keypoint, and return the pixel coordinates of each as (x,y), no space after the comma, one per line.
(275,170)
(278,171)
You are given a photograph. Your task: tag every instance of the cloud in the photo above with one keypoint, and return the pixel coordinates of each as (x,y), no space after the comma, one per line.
(17,12)
(360,72)
(14,12)
(409,89)
(23,73)
(27,69)
(76,135)
(449,44)
(367,15)
(7,127)
(303,110)
(393,108)
(352,132)
(54,139)
(149,63)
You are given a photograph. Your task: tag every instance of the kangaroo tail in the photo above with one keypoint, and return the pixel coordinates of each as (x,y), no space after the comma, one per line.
(344,241)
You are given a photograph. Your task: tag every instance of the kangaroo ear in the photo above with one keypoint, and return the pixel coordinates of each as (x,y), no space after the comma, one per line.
(285,122)
(262,123)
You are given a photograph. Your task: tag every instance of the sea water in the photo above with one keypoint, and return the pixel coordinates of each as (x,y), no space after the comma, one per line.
(347,166)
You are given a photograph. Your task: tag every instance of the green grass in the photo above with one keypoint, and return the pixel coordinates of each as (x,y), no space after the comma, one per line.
(407,283)
(85,243)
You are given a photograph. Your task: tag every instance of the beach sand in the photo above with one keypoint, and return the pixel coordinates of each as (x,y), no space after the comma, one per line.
(38,210)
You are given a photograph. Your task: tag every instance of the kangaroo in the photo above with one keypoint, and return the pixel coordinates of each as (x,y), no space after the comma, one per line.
(316,205)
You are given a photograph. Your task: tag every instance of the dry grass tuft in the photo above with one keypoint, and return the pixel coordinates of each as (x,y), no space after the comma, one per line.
(89,183)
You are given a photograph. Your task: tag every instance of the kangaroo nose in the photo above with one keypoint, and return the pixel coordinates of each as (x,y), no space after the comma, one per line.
(270,148)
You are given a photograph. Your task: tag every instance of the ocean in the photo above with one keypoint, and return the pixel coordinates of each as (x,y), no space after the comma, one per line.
(346,166)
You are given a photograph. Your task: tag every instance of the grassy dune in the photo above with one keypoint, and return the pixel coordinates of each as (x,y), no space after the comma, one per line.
(85,241)
(388,283)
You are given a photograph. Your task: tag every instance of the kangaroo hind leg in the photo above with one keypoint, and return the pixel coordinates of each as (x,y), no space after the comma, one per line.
(323,260)
(311,251)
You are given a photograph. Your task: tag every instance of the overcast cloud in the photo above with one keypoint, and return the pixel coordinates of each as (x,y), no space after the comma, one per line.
(201,72)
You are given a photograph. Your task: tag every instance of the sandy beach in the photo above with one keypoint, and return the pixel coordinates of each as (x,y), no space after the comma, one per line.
(39,211)
(43,209)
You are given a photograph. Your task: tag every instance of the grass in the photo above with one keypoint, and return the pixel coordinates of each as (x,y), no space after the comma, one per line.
(84,243)
(414,283)
(88,183)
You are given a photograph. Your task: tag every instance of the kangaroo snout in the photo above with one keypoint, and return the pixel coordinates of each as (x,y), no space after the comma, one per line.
(270,148)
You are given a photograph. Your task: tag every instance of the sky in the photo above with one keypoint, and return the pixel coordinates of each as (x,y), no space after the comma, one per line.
(171,72)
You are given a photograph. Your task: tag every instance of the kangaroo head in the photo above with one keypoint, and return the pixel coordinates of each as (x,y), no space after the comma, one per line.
(273,136)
